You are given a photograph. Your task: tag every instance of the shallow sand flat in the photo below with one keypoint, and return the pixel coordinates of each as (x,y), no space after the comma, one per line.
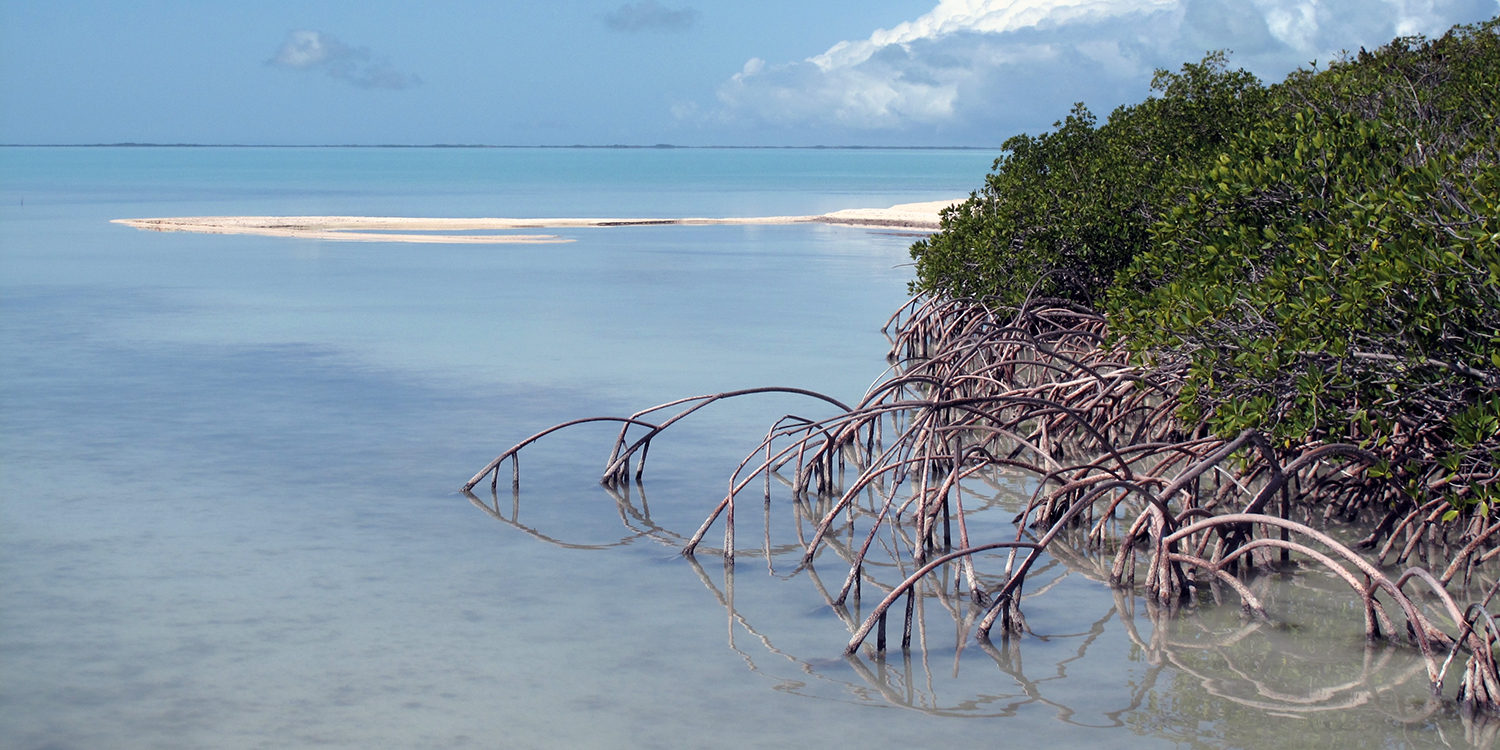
(922,216)
(907,215)
(347,228)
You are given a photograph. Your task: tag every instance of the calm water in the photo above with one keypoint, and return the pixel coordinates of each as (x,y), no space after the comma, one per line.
(228,472)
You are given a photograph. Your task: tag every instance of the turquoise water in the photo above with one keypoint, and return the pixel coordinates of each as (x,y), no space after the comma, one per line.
(229,465)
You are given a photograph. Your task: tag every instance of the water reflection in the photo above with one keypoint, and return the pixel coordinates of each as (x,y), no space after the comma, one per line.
(636,520)
(1203,675)
(907,678)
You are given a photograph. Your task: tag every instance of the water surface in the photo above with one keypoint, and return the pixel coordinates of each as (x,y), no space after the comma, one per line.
(228,474)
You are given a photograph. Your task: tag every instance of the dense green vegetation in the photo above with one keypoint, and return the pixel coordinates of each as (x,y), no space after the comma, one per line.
(1319,258)
(1065,211)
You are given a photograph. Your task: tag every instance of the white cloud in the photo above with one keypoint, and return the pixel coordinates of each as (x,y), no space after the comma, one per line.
(983,16)
(648,15)
(998,66)
(314,50)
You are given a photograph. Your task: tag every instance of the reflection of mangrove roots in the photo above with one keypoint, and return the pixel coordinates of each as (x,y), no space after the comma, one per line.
(979,395)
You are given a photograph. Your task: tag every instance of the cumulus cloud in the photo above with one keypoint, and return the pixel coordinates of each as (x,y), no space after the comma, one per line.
(357,66)
(648,15)
(998,66)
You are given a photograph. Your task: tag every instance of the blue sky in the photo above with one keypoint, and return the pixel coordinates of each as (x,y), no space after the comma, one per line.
(690,72)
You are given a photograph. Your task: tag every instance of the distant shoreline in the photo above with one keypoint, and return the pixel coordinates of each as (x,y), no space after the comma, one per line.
(657,146)
(923,217)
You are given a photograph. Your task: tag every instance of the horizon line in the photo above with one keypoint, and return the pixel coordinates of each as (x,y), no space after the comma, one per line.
(662,146)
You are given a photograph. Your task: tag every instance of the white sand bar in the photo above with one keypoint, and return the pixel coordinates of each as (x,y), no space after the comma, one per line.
(914,216)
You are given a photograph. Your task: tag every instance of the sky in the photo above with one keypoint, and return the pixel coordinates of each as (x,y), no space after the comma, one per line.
(602,72)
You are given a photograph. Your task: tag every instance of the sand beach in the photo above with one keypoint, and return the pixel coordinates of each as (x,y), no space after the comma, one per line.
(911,216)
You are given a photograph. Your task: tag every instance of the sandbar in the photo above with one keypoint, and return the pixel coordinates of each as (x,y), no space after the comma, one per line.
(911,216)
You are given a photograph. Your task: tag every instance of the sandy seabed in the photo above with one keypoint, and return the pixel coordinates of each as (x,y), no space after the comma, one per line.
(913,216)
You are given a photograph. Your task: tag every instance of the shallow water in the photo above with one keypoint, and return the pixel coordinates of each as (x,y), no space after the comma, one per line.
(228,472)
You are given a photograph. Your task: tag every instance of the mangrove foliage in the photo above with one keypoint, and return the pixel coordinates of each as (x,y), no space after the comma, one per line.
(1318,259)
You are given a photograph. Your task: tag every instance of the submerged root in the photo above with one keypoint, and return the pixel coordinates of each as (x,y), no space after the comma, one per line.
(975,392)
